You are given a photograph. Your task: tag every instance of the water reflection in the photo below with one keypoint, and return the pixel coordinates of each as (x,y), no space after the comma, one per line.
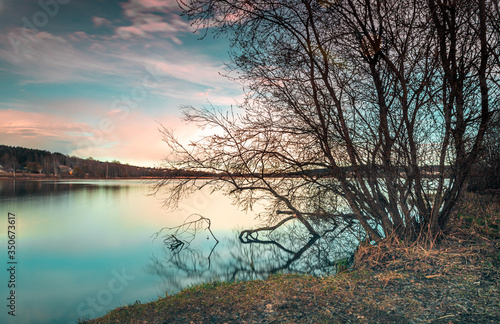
(21,188)
(75,235)
(286,249)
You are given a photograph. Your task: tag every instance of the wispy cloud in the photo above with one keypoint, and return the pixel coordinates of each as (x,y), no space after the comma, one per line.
(135,8)
(47,58)
(79,57)
(99,21)
(38,130)
(151,18)
(32,124)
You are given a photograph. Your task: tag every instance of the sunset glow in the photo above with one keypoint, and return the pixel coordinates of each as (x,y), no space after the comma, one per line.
(95,79)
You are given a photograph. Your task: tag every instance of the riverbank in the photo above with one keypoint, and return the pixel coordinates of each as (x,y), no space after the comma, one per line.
(455,282)
(36,176)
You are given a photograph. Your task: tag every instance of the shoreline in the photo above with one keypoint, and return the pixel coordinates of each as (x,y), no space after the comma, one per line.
(24,176)
(448,285)
(457,281)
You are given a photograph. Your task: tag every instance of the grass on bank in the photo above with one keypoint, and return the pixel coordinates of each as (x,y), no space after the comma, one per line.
(393,282)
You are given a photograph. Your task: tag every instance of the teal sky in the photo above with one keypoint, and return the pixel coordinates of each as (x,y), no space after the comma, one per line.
(94,78)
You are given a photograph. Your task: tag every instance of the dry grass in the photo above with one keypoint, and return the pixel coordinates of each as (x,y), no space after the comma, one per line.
(478,218)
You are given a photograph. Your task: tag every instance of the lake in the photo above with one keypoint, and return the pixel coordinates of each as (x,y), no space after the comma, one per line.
(84,247)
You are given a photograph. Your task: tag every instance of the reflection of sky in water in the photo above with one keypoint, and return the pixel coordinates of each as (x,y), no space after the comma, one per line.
(86,247)
(71,243)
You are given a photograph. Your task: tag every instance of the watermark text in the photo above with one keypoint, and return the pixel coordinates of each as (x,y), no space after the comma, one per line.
(11,264)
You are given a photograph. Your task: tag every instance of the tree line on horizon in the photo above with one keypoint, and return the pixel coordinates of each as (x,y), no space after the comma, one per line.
(28,160)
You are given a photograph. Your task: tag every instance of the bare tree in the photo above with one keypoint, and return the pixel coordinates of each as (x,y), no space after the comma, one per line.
(357,111)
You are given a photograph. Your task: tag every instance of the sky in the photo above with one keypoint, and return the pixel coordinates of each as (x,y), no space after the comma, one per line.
(96,78)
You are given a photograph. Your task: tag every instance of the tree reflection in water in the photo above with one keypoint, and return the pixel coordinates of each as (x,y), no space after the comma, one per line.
(192,254)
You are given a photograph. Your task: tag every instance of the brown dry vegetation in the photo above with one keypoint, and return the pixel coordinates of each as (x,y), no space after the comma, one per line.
(455,281)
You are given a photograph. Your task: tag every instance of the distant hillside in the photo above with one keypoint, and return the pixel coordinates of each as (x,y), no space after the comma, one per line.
(27,160)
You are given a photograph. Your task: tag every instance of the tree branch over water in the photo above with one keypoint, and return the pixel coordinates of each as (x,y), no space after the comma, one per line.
(373,111)
(179,238)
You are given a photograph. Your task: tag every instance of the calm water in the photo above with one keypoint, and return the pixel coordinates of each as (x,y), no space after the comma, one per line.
(85,247)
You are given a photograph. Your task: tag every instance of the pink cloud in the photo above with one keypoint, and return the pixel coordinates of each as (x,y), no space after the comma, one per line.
(137,7)
(44,36)
(146,21)
(127,32)
(157,3)
(32,124)
(146,25)
(97,47)
(38,130)
(99,21)
(176,40)
(81,34)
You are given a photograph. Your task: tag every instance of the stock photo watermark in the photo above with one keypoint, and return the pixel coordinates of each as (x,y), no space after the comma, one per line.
(40,19)
(98,302)
(11,264)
